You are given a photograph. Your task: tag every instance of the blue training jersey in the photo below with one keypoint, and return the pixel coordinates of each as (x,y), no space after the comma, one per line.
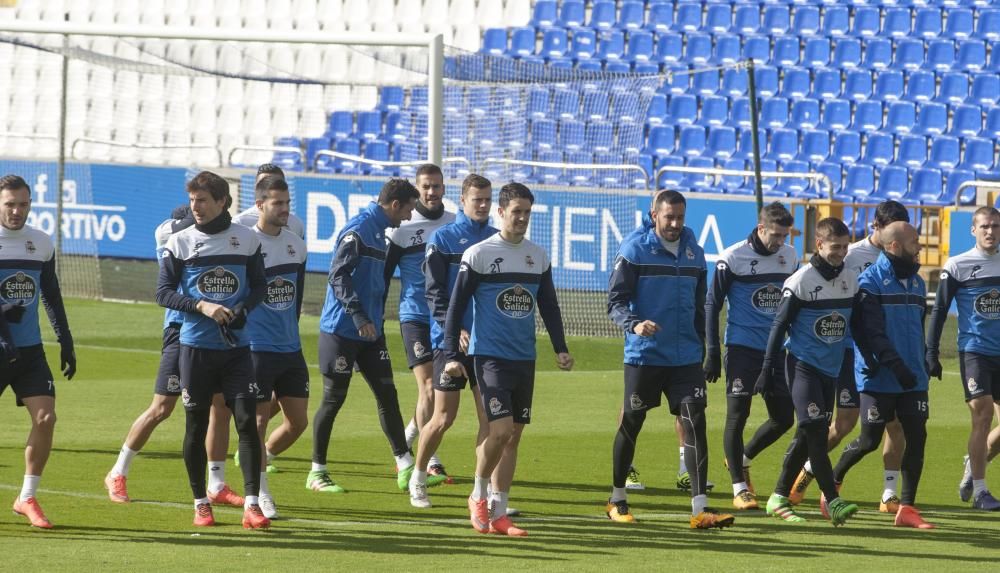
(27,273)
(407,246)
(162,233)
(972,280)
(274,325)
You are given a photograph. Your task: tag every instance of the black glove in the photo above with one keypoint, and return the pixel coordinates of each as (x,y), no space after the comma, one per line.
(904,375)
(933,363)
(67,357)
(8,352)
(871,367)
(765,381)
(13,312)
(713,365)
(239,317)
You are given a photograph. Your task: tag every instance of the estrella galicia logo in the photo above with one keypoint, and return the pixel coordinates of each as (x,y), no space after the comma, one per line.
(766,299)
(218,284)
(516,302)
(987,305)
(18,287)
(280,293)
(831,327)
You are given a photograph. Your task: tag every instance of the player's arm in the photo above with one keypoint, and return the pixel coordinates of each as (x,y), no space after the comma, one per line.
(717,293)
(300,289)
(56,310)
(548,307)
(393,254)
(435,267)
(465,286)
(345,260)
(167,283)
(621,289)
(700,296)
(788,309)
(8,350)
(947,289)
(868,328)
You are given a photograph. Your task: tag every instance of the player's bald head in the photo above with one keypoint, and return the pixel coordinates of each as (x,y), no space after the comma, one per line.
(899,232)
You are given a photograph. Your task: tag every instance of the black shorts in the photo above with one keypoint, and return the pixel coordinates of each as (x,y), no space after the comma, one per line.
(168,377)
(681,384)
(207,372)
(882,408)
(743,368)
(416,343)
(507,387)
(847,388)
(446,383)
(283,373)
(812,391)
(29,375)
(980,375)
(338,355)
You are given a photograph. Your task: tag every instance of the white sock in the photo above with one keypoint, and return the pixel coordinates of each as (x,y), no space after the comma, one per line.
(200,501)
(412,431)
(698,504)
(270,457)
(124,461)
(683,467)
(216,476)
(265,490)
(618,494)
(434,461)
(498,504)
(404,461)
(479,489)
(978,486)
(738,487)
(250,500)
(808,467)
(746,461)
(418,477)
(318,467)
(889,480)
(29,487)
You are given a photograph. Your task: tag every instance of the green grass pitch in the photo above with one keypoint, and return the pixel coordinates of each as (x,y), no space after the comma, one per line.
(562,481)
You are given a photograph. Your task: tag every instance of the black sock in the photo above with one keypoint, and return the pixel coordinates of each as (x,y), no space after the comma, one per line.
(815,434)
(915,431)
(795,456)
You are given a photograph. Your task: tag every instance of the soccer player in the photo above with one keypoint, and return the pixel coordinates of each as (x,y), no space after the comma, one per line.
(815,310)
(972,279)
(213,272)
(861,255)
(444,255)
(27,271)
(248,218)
(503,278)
(749,276)
(407,245)
(351,330)
(273,328)
(888,332)
(166,390)
(656,295)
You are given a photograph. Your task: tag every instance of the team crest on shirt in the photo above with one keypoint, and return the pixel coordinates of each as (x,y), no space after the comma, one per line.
(462,241)
(635,402)
(721,265)
(529,261)
(873,415)
(830,328)
(843,286)
(813,410)
(987,305)
(737,386)
(418,349)
(219,283)
(234,242)
(280,294)
(18,287)
(291,250)
(766,299)
(689,253)
(341,364)
(516,302)
(845,397)
(972,385)
(173,384)
(496,408)
(781,260)
(30,247)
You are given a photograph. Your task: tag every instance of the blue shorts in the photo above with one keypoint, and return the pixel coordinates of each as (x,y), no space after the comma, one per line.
(644,386)
(416,343)
(206,372)
(507,387)
(29,375)
(980,375)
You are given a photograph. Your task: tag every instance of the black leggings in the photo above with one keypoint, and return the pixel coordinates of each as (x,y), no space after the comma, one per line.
(915,432)
(196,457)
(781,417)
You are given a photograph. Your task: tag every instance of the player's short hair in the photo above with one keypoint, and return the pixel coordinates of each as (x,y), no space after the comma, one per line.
(13,182)
(831,228)
(212,184)
(478,181)
(775,214)
(397,189)
(267,184)
(514,191)
(270,169)
(987,210)
(889,212)
(670,197)
(429,169)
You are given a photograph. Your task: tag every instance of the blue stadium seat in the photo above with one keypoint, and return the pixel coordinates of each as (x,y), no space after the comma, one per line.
(522,42)
(698,50)
(867,116)
(555,43)
(646,162)
(456,129)
(805,20)
(993,65)
(583,45)
(836,20)
(867,21)
(687,17)
(912,152)
(858,85)
(657,111)
(775,19)
(927,22)
(785,51)
(988,24)
(486,131)
(954,180)
(624,106)
(835,173)
(745,149)
(794,186)
(805,112)
(600,136)
(683,109)
(774,113)
(545,14)
(347,166)
(595,104)
(900,116)
(846,147)
(669,48)
(893,183)
(896,22)
(548,175)
(927,187)
(847,53)
(727,49)
(640,45)
(398,126)
(966,120)
(705,83)
(909,54)
(661,140)
(314,145)
(766,79)
(341,125)
(746,19)
(784,145)
(945,152)
(816,53)
(477,100)
(288,160)
(734,83)
(815,146)
(721,142)
(718,18)
(647,68)
(756,48)
(661,17)
(669,179)
(418,98)
(859,182)
(836,114)
(539,102)
(572,134)
(610,45)
(734,183)
(889,85)
(514,132)
(920,86)
(971,55)
(376,150)
(630,138)
(878,53)
(739,112)
(699,182)
(959,24)
(572,13)
(978,154)
(543,134)
(940,55)
(565,103)
(452,99)
(494,41)
(603,14)
(714,111)
(795,83)
(631,15)
(691,140)
(932,118)
(369,125)
(992,127)
(408,151)
(826,84)
(954,88)
(879,149)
